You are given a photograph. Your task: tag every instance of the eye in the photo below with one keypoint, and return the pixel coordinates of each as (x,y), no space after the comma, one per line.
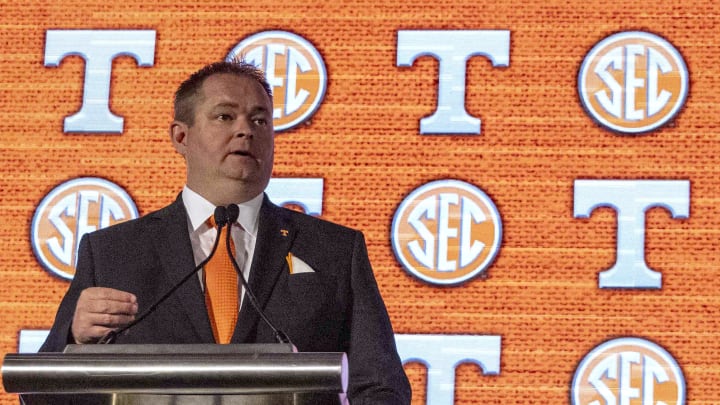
(224,117)
(262,121)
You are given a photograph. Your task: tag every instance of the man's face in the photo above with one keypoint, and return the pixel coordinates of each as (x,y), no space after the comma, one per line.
(231,142)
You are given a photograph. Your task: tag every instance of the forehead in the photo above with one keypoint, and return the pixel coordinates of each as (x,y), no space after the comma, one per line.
(233,88)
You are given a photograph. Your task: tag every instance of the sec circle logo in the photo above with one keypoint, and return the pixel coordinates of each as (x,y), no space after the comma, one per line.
(633,82)
(628,370)
(71,210)
(446,232)
(294,69)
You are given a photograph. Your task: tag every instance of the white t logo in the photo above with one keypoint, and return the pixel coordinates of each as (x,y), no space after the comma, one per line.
(98,48)
(631,199)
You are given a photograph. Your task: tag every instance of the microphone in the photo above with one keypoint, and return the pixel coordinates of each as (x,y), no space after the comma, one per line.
(221,219)
(233,211)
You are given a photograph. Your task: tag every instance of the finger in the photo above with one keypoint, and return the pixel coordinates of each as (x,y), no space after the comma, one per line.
(106,300)
(89,328)
(110,294)
(91,334)
(110,307)
(109,320)
(99,310)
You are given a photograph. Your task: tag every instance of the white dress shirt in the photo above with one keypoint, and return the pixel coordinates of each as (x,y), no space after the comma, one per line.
(202,235)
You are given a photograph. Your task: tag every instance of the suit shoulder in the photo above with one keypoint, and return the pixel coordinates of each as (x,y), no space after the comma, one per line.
(134,225)
(309,222)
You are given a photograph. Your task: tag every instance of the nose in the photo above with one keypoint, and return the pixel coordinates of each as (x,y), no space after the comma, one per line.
(242,128)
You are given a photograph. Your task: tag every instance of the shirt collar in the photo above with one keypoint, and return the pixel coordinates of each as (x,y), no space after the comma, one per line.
(199,210)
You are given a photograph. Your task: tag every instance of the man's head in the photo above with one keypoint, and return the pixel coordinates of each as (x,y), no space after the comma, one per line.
(223,129)
(187,94)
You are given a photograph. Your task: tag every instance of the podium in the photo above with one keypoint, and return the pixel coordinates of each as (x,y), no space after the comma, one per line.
(248,374)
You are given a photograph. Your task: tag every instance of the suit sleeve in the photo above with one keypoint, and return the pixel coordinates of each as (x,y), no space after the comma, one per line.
(376,373)
(60,333)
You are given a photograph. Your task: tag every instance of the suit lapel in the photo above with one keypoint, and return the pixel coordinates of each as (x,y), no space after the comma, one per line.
(274,238)
(172,244)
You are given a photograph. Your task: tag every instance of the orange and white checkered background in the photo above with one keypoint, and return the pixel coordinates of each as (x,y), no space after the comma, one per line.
(541,294)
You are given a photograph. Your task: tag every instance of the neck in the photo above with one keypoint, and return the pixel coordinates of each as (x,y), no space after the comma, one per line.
(228,195)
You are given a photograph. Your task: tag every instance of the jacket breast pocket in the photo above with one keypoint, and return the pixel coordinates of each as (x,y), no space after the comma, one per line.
(308,290)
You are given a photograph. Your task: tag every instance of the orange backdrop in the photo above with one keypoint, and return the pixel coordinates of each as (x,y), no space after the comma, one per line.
(541,293)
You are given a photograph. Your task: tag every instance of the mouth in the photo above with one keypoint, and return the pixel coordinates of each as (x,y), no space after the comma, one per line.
(241,153)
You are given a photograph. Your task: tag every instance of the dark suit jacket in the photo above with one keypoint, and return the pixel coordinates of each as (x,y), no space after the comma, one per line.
(337,308)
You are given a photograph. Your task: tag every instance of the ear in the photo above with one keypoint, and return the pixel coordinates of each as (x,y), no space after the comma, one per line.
(178,135)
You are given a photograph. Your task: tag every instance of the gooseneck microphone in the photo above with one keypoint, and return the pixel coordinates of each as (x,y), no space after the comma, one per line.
(221,219)
(233,211)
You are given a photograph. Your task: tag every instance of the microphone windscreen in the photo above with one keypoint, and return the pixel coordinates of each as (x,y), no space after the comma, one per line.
(220,216)
(233,212)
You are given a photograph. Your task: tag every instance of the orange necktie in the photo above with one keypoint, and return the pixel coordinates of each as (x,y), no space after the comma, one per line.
(221,290)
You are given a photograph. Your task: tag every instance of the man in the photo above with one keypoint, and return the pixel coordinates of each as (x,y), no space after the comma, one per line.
(312,278)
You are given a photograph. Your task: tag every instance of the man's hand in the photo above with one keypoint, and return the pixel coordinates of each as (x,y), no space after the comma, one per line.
(100,310)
